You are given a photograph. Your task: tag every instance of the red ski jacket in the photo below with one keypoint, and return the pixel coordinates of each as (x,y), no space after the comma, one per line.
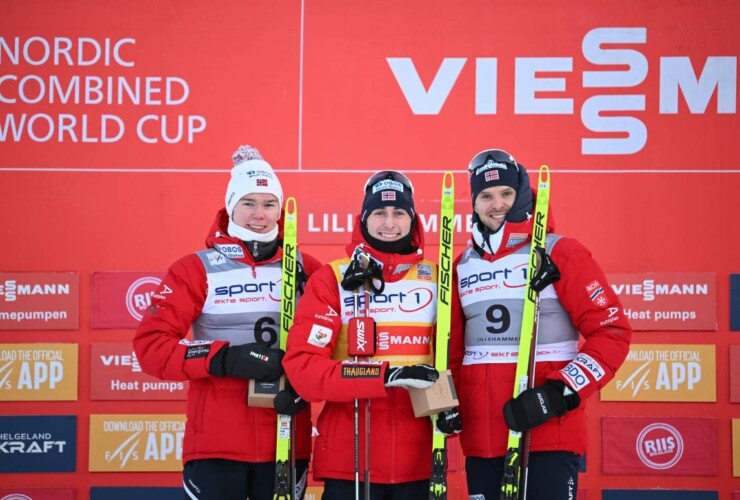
(316,362)
(226,297)
(583,337)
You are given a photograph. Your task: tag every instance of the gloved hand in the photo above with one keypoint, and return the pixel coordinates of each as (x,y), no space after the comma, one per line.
(414,376)
(449,422)
(536,406)
(252,361)
(288,402)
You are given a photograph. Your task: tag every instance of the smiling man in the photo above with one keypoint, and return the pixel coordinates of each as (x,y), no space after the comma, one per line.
(320,364)
(486,326)
(224,293)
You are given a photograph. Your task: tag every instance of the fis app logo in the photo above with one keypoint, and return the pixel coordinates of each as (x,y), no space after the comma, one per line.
(35,372)
(120,443)
(665,373)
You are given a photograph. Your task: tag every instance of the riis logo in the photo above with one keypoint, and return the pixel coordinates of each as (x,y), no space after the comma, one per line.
(38,372)
(659,446)
(665,373)
(136,442)
(139,295)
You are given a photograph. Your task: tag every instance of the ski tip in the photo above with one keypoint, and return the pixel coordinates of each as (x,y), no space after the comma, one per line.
(544,175)
(291,206)
(448,180)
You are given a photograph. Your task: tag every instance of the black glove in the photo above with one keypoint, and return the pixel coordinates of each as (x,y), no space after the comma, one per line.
(536,406)
(414,376)
(449,422)
(356,276)
(253,361)
(288,402)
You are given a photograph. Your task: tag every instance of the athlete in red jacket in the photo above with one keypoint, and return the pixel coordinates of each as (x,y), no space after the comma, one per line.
(317,362)
(490,277)
(229,294)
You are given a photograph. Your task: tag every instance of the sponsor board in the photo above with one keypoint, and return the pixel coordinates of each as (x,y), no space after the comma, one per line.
(659,446)
(38,443)
(39,301)
(38,372)
(736,447)
(657,372)
(116,375)
(668,301)
(121,298)
(665,372)
(139,493)
(735,302)
(37,494)
(125,443)
(659,495)
(735,373)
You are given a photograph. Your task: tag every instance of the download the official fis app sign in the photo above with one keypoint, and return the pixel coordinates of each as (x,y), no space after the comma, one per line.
(38,372)
(125,443)
(654,372)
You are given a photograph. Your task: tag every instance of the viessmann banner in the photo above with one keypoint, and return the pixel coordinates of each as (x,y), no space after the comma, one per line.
(614,88)
(665,372)
(39,301)
(116,375)
(668,301)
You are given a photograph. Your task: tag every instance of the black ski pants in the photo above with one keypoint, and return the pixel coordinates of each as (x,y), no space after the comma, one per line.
(553,475)
(220,479)
(339,489)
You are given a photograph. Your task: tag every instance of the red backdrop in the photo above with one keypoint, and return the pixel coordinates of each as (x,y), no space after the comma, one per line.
(632,105)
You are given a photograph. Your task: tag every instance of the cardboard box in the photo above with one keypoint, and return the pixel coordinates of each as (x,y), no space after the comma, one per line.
(439,397)
(262,392)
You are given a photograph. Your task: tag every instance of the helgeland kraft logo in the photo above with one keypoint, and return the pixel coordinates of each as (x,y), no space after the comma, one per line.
(38,443)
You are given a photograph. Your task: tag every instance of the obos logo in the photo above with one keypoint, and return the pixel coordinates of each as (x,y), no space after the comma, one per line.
(659,446)
(139,295)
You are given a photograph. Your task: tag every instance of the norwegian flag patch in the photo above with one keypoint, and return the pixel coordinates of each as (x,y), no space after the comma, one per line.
(262,182)
(596,293)
(388,196)
(491,175)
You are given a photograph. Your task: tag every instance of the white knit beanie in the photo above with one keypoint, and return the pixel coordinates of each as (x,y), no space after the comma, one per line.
(251,174)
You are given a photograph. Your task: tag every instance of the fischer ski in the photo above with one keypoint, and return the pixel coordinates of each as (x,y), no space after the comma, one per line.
(285,477)
(438,481)
(514,482)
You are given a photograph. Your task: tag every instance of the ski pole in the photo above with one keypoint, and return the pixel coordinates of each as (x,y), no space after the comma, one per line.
(514,482)
(285,443)
(438,481)
(361,344)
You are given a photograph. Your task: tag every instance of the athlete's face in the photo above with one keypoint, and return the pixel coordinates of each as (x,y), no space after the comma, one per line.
(492,205)
(388,223)
(258,212)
